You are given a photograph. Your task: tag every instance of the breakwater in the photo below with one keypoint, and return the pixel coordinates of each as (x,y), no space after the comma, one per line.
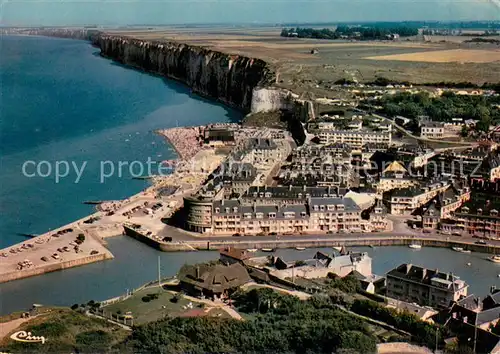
(15,275)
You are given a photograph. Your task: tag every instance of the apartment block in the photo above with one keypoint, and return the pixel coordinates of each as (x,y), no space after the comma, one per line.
(424,286)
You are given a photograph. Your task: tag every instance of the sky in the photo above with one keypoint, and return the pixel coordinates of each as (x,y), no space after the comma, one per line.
(156,12)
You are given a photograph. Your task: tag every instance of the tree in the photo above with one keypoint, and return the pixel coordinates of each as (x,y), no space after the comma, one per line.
(357,341)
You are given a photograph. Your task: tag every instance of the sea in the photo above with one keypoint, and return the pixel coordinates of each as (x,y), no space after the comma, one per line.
(63,103)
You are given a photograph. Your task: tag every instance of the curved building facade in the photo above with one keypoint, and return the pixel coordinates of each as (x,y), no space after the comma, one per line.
(198,214)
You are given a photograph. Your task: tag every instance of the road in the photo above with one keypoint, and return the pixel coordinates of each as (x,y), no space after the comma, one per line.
(364,238)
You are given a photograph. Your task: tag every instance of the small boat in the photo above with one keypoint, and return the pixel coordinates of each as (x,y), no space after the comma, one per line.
(300,248)
(268,250)
(252,250)
(495,258)
(415,246)
(466,251)
(469,264)
(457,249)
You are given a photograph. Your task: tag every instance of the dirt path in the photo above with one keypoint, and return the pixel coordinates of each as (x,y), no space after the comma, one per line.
(8,327)
(300,294)
(215,304)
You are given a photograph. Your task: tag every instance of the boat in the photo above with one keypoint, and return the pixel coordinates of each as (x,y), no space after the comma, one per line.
(465,251)
(252,250)
(457,249)
(300,248)
(415,246)
(337,248)
(268,250)
(469,264)
(495,258)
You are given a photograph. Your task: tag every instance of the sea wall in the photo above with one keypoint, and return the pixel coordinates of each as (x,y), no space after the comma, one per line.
(25,273)
(227,78)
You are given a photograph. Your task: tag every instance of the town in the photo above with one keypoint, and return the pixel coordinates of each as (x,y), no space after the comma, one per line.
(277,219)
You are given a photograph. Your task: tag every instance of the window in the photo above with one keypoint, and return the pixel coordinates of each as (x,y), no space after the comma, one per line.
(272,215)
(227,210)
(259,215)
(217,210)
(248,215)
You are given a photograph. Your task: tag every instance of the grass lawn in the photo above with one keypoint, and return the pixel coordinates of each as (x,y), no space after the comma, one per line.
(152,310)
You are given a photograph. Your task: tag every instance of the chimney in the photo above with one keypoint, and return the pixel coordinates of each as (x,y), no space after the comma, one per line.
(254,207)
(304,188)
(290,187)
(197,272)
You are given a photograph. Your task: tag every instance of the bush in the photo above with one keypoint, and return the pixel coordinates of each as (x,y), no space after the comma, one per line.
(75,306)
(49,329)
(146,299)
(93,342)
(358,341)
(80,237)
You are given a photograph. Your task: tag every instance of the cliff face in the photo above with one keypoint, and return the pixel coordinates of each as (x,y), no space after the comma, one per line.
(73,33)
(230,79)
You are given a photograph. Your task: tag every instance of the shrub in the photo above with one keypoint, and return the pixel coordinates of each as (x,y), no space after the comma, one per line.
(93,341)
(48,329)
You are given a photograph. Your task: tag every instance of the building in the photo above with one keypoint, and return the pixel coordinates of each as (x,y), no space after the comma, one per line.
(395,176)
(443,206)
(212,281)
(322,264)
(378,218)
(262,152)
(215,136)
(473,311)
(198,213)
(316,214)
(288,194)
(424,286)
(406,200)
(355,138)
(432,130)
(231,255)
(480,220)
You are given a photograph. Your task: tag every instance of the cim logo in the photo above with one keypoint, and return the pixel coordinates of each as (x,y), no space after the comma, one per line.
(23,336)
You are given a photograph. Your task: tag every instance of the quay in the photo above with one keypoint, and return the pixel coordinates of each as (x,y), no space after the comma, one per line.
(62,248)
(309,241)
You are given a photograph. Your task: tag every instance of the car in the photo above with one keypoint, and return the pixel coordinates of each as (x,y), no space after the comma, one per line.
(237,235)
(480,242)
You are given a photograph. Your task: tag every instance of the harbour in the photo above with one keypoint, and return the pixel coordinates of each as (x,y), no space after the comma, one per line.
(103,280)
(195,165)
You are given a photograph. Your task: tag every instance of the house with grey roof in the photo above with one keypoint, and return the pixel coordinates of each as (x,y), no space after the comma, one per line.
(212,281)
(322,264)
(427,287)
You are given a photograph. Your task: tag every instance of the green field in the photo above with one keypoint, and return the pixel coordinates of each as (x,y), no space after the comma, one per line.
(153,310)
